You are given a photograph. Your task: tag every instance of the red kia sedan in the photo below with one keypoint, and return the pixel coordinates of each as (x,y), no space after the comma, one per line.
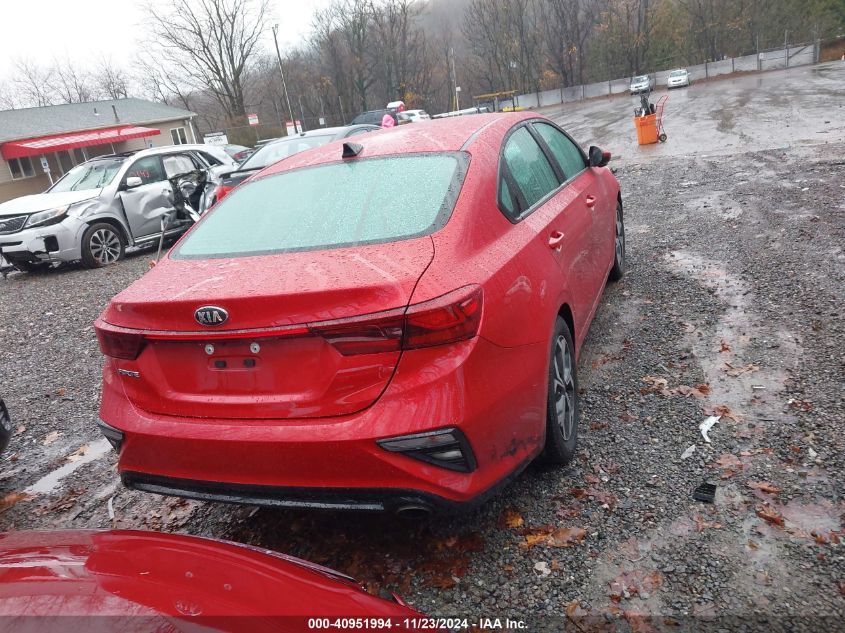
(148,581)
(390,323)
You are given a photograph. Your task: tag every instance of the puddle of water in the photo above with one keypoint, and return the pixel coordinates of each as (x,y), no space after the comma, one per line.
(49,482)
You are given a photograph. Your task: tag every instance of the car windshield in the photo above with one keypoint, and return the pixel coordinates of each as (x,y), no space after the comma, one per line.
(274,152)
(91,175)
(373,200)
(677,73)
(640,78)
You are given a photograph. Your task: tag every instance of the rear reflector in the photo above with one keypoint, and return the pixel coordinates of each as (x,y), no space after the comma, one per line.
(447,448)
(119,343)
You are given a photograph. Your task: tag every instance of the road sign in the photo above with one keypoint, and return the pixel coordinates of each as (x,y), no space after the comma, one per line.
(45,165)
(252,118)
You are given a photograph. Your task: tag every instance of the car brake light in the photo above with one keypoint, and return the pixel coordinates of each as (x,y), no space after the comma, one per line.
(368,335)
(452,317)
(119,344)
(221,192)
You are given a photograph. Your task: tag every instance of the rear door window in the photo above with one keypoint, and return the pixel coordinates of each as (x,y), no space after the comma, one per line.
(175,164)
(567,154)
(530,169)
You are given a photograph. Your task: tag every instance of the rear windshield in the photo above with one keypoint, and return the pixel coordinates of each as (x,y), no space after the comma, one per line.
(274,152)
(359,201)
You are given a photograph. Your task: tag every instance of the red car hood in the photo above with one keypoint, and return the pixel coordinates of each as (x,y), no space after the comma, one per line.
(274,290)
(201,582)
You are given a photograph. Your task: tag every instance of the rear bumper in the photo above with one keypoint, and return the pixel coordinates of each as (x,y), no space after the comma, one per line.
(494,395)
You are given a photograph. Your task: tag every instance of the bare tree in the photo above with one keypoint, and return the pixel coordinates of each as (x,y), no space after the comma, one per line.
(71,83)
(33,83)
(209,45)
(109,79)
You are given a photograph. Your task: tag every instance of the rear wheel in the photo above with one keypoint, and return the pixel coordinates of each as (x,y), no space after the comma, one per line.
(618,246)
(662,138)
(562,409)
(102,244)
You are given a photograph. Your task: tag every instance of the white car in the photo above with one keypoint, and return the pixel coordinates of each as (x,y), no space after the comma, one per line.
(678,78)
(417,115)
(641,83)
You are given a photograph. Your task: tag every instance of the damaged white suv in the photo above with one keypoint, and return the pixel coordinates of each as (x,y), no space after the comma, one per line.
(100,207)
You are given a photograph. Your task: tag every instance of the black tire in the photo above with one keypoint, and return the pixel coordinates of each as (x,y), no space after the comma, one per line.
(563,410)
(102,245)
(618,270)
(662,138)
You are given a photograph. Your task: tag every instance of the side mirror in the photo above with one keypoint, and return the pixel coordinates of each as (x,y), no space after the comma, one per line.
(598,157)
(133,181)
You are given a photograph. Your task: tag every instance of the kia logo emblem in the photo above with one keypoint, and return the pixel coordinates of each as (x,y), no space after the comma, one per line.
(211,315)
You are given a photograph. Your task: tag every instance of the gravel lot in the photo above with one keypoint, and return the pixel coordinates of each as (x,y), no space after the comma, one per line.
(732,307)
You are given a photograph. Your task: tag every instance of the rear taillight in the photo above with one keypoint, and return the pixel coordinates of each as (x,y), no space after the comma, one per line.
(447,319)
(453,317)
(221,192)
(368,335)
(119,343)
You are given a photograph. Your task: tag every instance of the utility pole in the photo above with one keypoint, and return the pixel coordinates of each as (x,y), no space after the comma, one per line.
(454,78)
(282,73)
(301,112)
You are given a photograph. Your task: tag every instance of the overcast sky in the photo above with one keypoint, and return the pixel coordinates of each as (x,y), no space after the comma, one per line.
(83,29)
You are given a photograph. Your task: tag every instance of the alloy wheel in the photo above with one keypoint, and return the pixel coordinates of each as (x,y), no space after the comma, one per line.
(564,388)
(105,246)
(620,237)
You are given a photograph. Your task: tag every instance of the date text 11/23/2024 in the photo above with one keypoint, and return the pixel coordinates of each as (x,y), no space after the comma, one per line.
(416,624)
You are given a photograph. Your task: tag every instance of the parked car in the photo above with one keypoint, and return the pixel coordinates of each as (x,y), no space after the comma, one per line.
(98,208)
(386,324)
(642,83)
(374,117)
(5,426)
(678,78)
(152,581)
(417,115)
(282,148)
(215,156)
(238,152)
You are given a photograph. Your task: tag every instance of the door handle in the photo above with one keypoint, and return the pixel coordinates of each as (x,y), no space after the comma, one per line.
(591,201)
(556,239)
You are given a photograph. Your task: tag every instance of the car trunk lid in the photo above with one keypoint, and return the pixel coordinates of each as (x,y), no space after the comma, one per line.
(266,358)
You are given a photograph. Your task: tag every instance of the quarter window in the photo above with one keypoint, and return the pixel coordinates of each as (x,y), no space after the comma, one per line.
(21,168)
(178,136)
(568,155)
(529,167)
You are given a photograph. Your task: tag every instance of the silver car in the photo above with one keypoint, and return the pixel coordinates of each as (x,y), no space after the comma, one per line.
(642,83)
(101,207)
(678,78)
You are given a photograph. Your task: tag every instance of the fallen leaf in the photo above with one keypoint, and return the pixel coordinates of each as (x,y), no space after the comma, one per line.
(61,391)
(566,537)
(20,430)
(699,391)
(724,347)
(591,479)
(542,569)
(11,499)
(764,486)
(753,545)
(78,454)
(732,371)
(597,426)
(701,524)
(770,515)
(51,437)
(578,493)
(511,518)
(507,568)
(730,465)
(723,411)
